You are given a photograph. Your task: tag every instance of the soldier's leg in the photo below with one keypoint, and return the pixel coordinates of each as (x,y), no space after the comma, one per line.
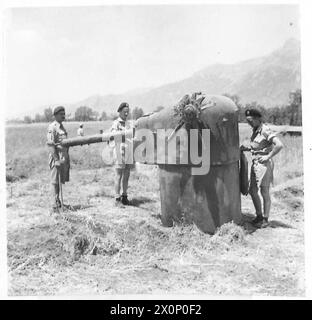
(254,192)
(125,180)
(265,189)
(55,187)
(265,192)
(56,193)
(118,177)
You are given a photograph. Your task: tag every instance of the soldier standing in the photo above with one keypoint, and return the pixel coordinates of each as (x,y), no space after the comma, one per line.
(80,130)
(58,156)
(122,167)
(264,145)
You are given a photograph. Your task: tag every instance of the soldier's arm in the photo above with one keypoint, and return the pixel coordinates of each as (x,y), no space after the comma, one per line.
(245,146)
(51,143)
(271,136)
(277,147)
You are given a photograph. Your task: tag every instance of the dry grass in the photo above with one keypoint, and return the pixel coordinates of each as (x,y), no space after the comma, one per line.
(26,151)
(97,248)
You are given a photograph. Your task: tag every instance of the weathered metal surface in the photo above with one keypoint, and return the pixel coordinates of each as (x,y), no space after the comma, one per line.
(208,200)
(97,138)
(79,141)
(212,199)
(221,117)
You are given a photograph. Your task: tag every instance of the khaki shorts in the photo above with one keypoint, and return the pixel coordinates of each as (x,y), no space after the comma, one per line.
(62,171)
(261,174)
(122,163)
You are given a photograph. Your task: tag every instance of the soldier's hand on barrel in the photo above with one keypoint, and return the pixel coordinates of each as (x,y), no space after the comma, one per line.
(244,147)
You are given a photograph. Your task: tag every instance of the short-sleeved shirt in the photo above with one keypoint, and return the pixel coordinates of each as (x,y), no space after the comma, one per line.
(56,133)
(80,132)
(120,125)
(261,141)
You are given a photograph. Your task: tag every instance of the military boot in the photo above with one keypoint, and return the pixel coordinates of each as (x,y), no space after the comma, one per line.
(257,220)
(264,223)
(124,200)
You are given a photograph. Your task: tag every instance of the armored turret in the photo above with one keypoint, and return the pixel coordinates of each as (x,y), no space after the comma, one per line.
(209,197)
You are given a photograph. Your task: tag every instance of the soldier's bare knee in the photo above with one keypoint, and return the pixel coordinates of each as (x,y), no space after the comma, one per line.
(265,192)
(253,190)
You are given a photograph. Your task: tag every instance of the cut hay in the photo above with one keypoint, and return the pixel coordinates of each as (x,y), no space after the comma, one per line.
(229,233)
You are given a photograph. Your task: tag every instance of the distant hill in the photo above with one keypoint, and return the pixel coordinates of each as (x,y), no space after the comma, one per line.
(267,80)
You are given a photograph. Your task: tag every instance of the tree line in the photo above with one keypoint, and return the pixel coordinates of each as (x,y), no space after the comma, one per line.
(82,114)
(289,114)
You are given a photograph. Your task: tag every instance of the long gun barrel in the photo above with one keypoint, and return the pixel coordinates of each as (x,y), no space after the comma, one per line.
(97,138)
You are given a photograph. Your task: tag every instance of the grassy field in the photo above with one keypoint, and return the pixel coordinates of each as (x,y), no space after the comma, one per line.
(97,248)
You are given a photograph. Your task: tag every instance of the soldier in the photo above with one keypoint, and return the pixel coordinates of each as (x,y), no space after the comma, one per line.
(264,145)
(80,130)
(122,167)
(58,156)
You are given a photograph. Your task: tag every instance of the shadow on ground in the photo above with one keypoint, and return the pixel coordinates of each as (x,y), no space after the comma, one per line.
(136,202)
(250,228)
(279,224)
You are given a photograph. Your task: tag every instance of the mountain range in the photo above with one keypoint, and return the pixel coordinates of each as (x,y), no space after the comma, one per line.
(266,80)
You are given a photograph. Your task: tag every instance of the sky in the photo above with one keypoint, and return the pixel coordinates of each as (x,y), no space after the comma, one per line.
(60,55)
